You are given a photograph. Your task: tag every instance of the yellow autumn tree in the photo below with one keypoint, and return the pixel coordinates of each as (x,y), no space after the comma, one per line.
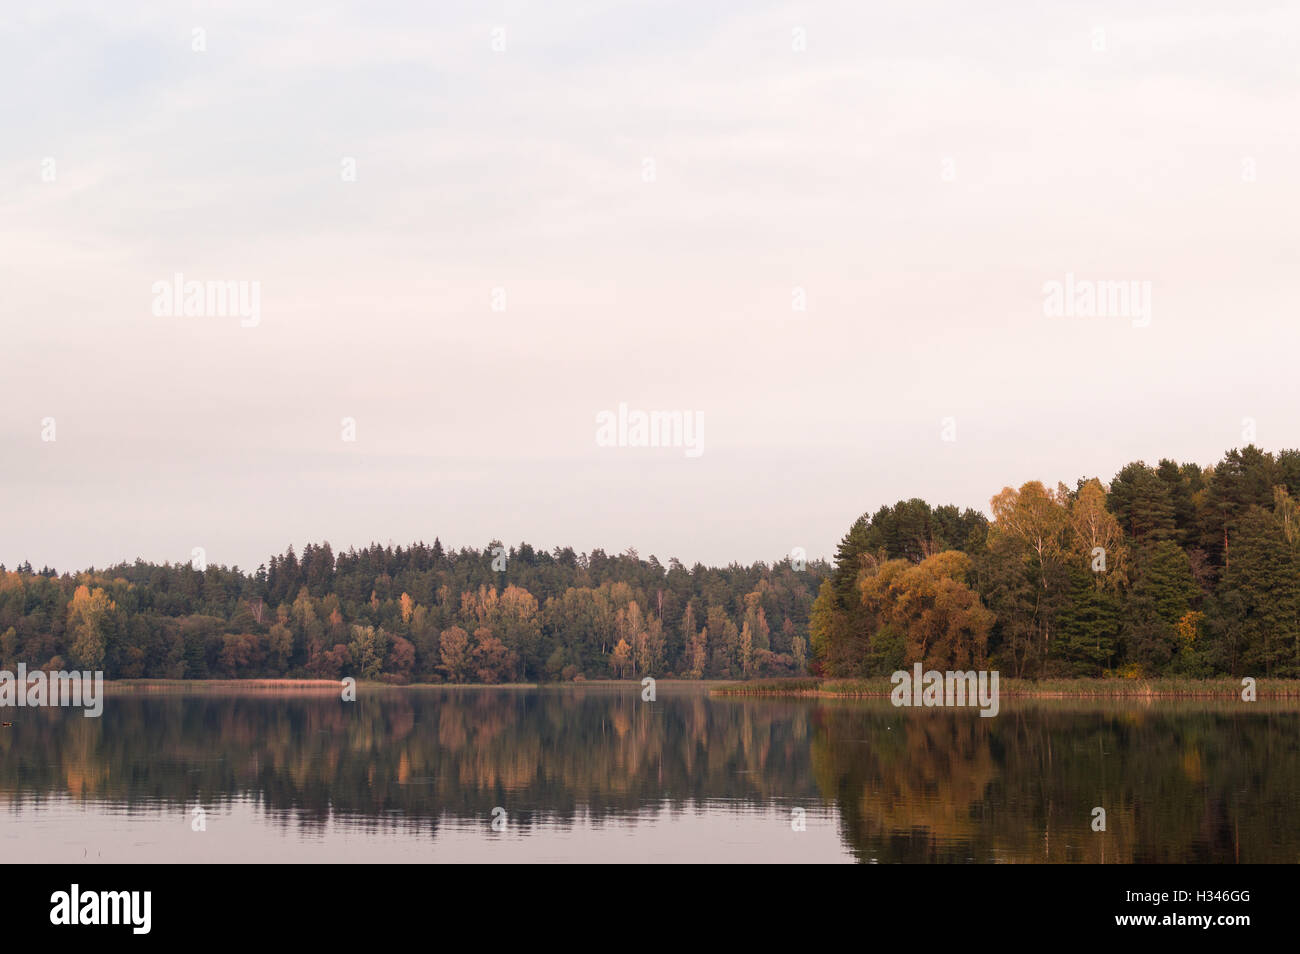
(1095,537)
(87,615)
(1033,519)
(1188,629)
(454,652)
(620,660)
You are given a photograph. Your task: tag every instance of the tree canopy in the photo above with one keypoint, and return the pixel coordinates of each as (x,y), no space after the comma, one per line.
(418,613)
(1174,569)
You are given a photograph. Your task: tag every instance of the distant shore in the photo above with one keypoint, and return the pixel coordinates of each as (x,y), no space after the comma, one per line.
(808,687)
(336,685)
(289,685)
(1165,687)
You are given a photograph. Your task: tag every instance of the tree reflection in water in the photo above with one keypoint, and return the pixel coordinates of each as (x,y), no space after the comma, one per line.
(1180,782)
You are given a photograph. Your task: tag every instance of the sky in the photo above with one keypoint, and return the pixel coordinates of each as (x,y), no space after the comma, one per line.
(823,231)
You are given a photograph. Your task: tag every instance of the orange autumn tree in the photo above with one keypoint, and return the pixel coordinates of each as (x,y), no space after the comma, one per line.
(620,659)
(941,619)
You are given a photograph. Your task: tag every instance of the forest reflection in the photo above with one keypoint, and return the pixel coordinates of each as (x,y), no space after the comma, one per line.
(1179,782)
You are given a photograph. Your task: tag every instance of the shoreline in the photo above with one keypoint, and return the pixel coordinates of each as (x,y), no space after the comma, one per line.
(336,685)
(794,688)
(1081,688)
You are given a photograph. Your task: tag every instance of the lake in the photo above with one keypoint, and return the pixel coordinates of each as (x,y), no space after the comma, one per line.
(593,773)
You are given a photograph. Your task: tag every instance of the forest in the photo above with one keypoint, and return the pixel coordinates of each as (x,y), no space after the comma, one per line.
(1175,569)
(415,614)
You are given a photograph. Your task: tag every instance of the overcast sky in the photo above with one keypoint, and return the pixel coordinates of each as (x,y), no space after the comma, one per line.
(647,184)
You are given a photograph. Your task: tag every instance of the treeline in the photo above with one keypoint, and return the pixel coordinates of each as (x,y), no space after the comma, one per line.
(1175,569)
(419,613)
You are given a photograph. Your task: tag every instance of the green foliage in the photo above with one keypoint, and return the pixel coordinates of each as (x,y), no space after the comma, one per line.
(384,613)
(1201,578)
(1088,627)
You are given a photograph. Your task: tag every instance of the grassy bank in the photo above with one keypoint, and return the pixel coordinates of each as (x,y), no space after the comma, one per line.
(1042,689)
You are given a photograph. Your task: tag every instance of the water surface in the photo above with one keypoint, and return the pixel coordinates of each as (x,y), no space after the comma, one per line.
(596,774)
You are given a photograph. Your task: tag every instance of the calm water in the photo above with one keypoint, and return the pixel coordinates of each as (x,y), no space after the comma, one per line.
(595,774)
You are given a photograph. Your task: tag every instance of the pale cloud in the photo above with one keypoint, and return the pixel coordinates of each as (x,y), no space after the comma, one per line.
(522,170)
